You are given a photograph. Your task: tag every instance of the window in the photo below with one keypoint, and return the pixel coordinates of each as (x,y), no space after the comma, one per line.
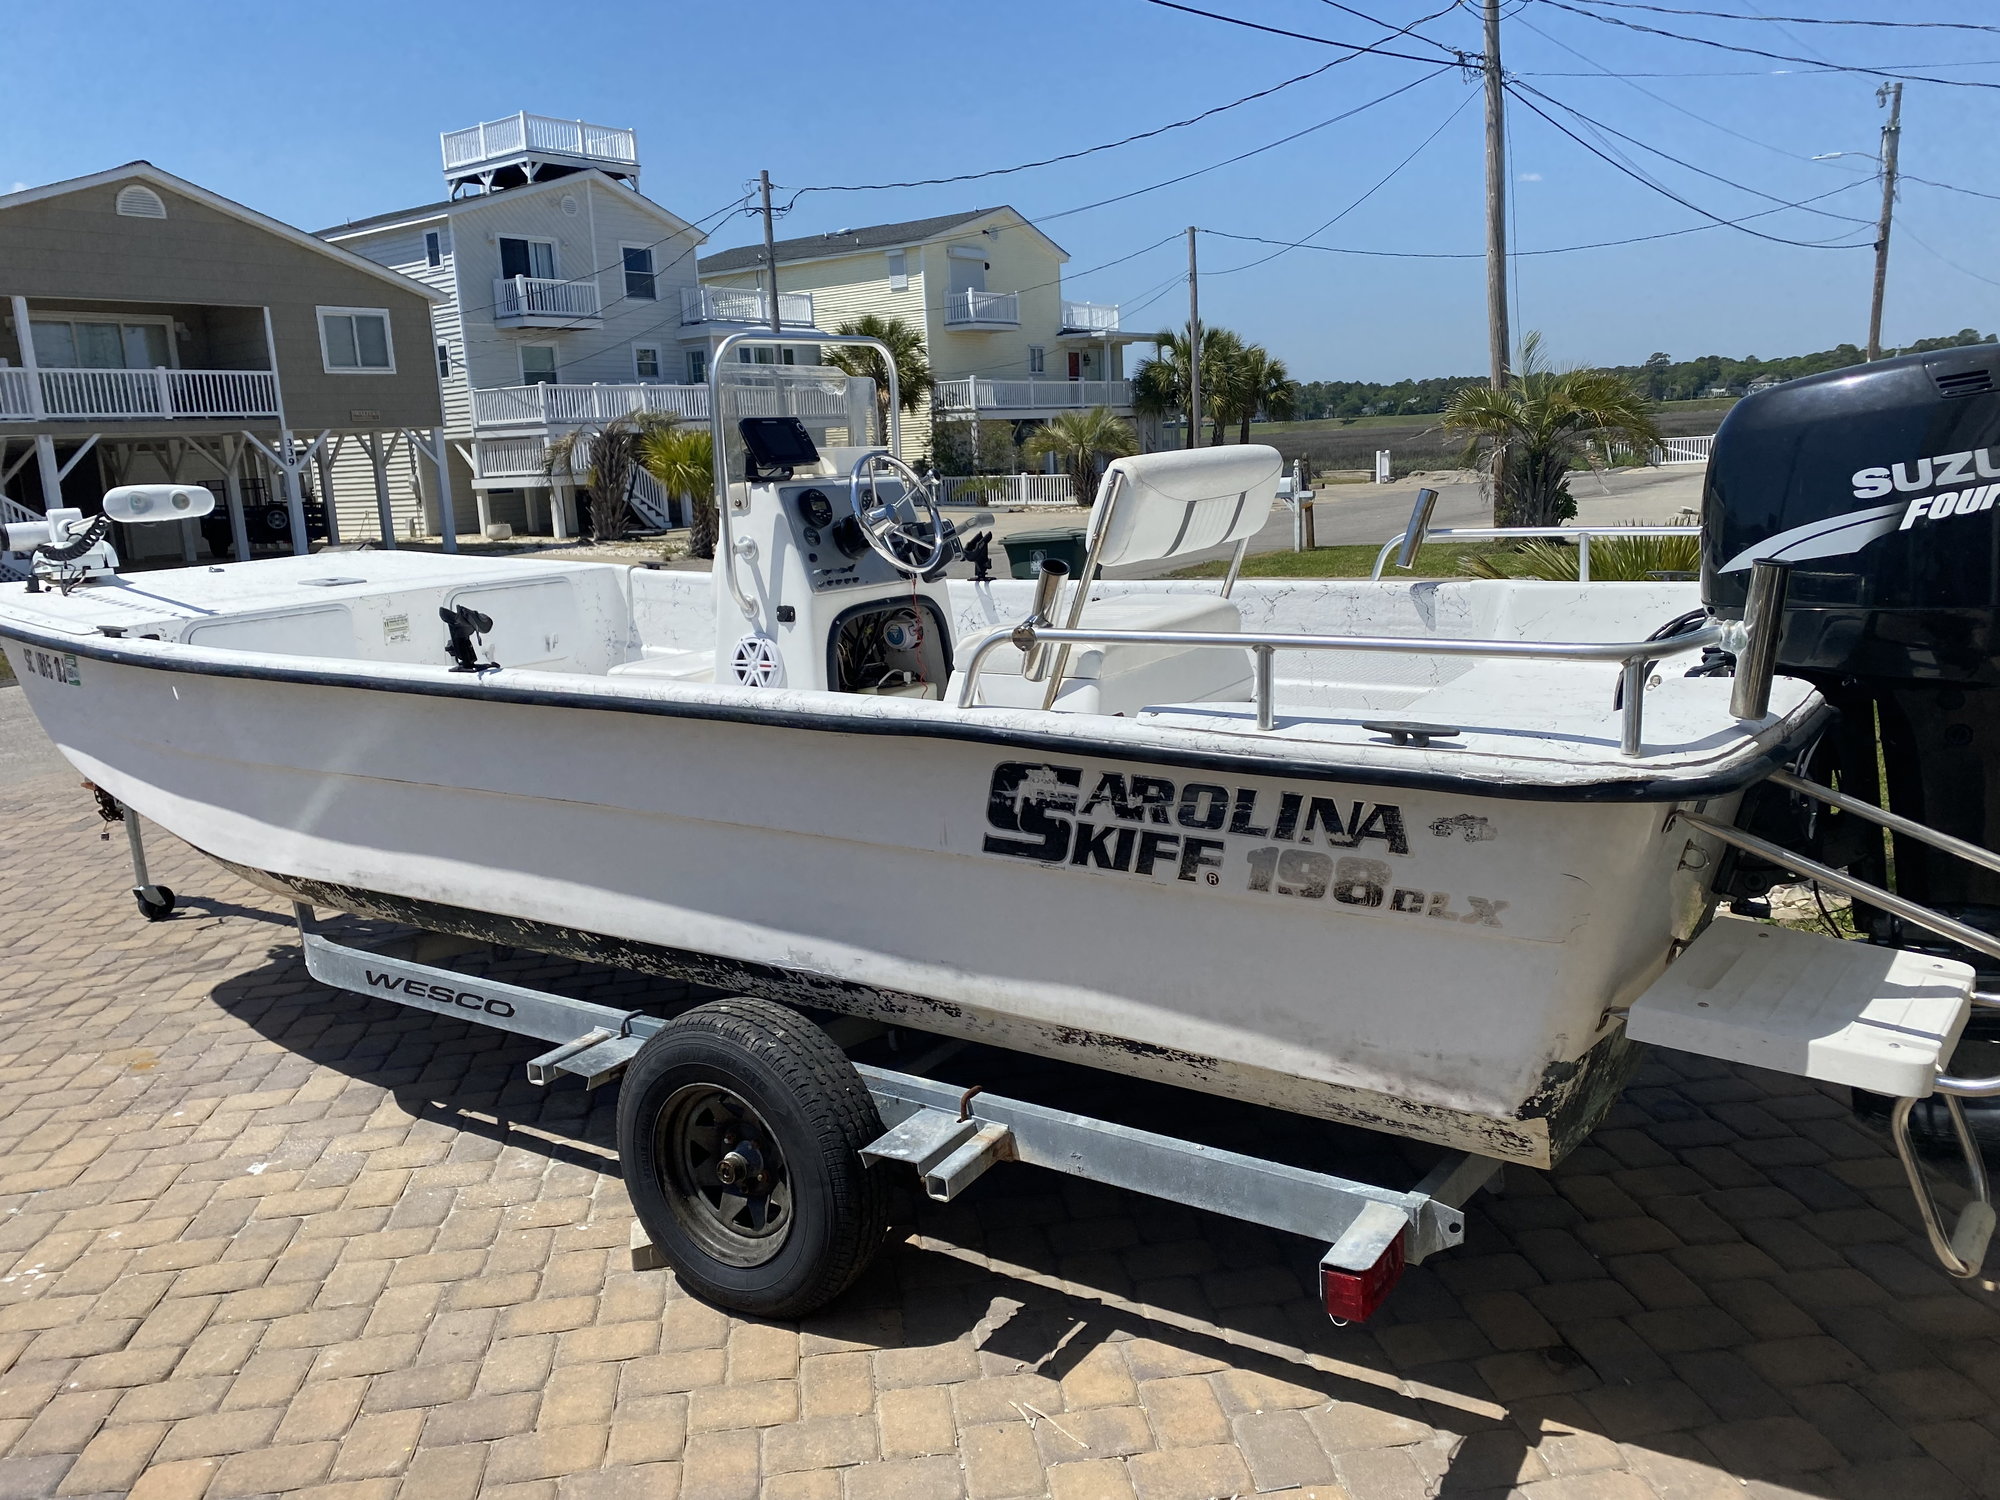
(899,271)
(639,272)
(433,248)
(1038,360)
(533,258)
(697,363)
(646,361)
(355,341)
(444,361)
(538,364)
(137,202)
(102,344)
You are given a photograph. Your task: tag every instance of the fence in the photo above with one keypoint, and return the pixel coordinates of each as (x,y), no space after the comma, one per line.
(1007,489)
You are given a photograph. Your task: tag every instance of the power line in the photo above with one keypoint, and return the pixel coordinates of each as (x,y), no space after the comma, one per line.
(1456,57)
(1702,41)
(1950,187)
(1637,239)
(1939,255)
(1246,155)
(1380,183)
(1690,166)
(1725,15)
(1143,135)
(1665,192)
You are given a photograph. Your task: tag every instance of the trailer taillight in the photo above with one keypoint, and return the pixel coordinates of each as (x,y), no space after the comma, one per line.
(1352,1296)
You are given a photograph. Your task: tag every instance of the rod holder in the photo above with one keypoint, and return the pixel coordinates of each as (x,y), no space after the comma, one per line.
(1757,662)
(1417,530)
(1048,588)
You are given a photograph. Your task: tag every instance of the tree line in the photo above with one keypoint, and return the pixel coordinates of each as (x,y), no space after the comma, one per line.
(1660,377)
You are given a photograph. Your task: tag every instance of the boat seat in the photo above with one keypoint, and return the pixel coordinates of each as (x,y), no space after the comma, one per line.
(662,661)
(1155,508)
(1123,679)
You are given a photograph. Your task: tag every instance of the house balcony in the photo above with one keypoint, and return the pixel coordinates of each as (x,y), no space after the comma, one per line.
(551,405)
(522,147)
(976,396)
(744,307)
(97,395)
(540,302)
(970,310)
(1089,317)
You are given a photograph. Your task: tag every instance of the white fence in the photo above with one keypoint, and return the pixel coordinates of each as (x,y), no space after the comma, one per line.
(1098,317)
(526,132)
(541,297)
(975,394)
(110,395)
(578,405)
(733,304)
(1006,489)
(1002,308)
(1684,450)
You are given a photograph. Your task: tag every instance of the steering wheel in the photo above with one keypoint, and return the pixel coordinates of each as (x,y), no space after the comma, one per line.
(894,539)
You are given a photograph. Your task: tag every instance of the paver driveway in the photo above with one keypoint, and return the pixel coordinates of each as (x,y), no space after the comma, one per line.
(257,1239)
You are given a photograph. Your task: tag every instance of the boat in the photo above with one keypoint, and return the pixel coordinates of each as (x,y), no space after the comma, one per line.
(1404,854)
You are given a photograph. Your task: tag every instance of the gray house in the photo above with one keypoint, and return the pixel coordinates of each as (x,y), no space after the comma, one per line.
(155,331)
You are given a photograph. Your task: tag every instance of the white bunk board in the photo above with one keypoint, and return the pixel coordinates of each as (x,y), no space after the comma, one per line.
(1795,1002)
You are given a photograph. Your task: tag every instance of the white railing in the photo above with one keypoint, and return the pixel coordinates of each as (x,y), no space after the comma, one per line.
(526,132)
(93,395)
(731,304)
(508,457)
(541,297)
(1000,308)
(1097,317)
(577,405)
(1684,450)
(975,394)
(1006,489)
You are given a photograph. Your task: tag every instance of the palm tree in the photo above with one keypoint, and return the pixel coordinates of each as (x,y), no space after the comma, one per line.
(1534,431)
(914,380)
(1078,439)
(605,458)
(682,459)
(1254,382)
(1160,384)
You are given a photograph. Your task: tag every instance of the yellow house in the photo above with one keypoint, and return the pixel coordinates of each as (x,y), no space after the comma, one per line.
(984,289)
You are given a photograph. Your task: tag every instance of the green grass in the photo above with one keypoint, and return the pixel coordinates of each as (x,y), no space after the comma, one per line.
(1438,560)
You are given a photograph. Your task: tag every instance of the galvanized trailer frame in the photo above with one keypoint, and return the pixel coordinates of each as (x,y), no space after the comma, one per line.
(951,1136)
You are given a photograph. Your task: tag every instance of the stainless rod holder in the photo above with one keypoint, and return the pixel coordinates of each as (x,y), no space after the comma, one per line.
(1757,662)
(1048,589)
(1418,529)
(1631,724)
(1267,708)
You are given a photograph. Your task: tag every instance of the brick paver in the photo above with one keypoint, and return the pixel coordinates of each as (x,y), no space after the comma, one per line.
(259,1239)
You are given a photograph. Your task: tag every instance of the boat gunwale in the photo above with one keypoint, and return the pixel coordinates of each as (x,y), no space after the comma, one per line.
(174,656)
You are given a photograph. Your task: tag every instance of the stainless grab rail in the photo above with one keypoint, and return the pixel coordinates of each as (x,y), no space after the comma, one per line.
(1581,534)
(1630,655)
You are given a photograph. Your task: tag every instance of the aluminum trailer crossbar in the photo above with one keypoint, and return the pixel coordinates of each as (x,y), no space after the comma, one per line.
(953,1135)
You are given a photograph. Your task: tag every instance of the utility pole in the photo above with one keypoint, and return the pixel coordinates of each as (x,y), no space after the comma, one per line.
(1892,135)
(770,249)
(1194,348)
(1496,202)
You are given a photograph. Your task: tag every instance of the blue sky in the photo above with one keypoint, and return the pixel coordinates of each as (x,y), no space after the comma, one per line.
(316,114)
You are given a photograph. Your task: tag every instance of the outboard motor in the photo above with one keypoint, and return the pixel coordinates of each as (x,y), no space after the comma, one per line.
(1878,484)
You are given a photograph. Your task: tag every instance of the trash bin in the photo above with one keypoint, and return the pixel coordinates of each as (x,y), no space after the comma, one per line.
(1027,549)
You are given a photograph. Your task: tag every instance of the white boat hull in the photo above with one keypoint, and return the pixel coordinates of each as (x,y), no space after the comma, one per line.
(1398,951)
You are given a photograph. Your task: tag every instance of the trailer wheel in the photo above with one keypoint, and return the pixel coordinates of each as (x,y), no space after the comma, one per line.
(740,1126)
(156,902)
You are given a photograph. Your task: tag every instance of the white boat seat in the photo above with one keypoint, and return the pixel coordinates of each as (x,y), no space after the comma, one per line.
(662,661)
(1124,678)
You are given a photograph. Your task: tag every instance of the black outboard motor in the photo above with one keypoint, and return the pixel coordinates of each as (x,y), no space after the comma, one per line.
(1879,484)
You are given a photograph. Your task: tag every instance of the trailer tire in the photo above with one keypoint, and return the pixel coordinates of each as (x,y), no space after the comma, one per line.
(768,1085)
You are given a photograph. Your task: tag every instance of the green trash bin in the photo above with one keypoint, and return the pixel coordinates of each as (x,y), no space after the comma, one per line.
(1026,549)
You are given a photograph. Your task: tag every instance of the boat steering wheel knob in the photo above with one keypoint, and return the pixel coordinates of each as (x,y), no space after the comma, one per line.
(904,545)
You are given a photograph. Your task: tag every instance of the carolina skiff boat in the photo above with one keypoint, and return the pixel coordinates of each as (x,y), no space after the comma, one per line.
(1401,854)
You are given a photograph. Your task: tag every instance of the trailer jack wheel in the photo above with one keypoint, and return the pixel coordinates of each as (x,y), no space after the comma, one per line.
(156,902)
(740,1127)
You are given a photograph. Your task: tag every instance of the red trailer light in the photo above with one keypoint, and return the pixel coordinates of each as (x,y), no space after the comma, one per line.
(1351,1296)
